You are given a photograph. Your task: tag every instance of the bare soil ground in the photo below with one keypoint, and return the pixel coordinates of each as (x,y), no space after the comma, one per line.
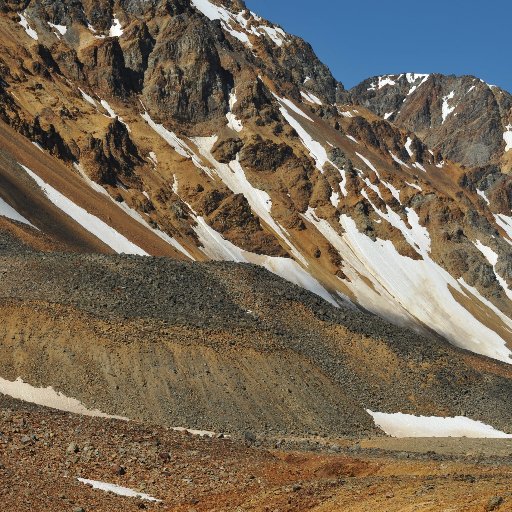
(43,452)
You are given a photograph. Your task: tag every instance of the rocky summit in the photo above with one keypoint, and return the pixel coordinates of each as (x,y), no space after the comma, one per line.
(201,229)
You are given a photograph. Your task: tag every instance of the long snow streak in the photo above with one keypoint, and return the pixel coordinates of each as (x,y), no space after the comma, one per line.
(94,225)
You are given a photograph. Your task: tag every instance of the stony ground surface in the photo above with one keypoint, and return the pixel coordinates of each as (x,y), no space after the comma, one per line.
(43,452)
(225,347)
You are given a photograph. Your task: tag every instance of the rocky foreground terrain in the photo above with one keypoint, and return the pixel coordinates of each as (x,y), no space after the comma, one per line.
(44,452)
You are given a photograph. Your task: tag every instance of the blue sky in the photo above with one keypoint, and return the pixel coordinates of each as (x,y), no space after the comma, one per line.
(362,38)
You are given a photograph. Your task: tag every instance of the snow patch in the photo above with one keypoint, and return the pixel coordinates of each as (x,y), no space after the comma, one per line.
(316,150)
(408,146)
(394,191)
(507,137)
(117,489)
(406,425)
(133,213)
(397,160)
(200,433)
(382,81)
(481,193)
(413,185)
(368,164)
(343,183)
(447,110)
(9,212)
(48,397)
(112,114)
(61,29)
(180,146)
(492,258)
(505,222)
(373,187)
(233,123)
(153,158)
(116,30)
(88,98)
(311,98)
(289,104)
(30,31)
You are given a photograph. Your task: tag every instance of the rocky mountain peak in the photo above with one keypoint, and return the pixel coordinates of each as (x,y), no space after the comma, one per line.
(463,117)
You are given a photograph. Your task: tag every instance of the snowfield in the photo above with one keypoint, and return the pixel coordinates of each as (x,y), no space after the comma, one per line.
(406,290)
(406,425)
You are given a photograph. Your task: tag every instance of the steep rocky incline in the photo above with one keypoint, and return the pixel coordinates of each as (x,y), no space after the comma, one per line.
(197,130)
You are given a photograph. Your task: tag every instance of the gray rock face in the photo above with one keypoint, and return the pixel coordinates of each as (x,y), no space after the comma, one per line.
(185,79)
(462,117)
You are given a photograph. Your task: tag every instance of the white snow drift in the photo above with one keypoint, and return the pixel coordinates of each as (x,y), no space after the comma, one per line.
(48,397)
(117,489)
(406,425)
(9,212)
(94,225)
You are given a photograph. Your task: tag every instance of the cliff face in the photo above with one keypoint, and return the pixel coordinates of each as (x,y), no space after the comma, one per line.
(200,131)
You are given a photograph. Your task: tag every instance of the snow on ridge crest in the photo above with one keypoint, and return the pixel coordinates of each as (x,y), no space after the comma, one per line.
(411,78)
(238,25)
